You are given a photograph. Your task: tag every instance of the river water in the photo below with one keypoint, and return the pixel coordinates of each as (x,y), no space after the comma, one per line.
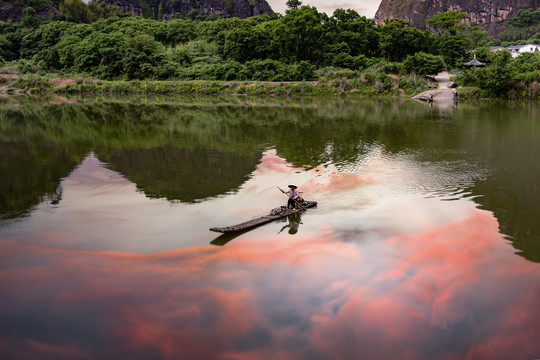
(425,243)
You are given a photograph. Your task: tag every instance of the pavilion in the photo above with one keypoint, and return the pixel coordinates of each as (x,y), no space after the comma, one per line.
(474,62)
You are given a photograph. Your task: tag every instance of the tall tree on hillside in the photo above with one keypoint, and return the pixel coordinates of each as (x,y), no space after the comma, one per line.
(75,11)
(293,4)
(398,40)
(450,22)
(299,35)
(452,42)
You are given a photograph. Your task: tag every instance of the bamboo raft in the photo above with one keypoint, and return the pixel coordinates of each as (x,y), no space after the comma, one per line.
(274,215)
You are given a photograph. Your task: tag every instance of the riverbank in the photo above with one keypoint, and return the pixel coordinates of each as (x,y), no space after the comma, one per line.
(382,85)
(390,85)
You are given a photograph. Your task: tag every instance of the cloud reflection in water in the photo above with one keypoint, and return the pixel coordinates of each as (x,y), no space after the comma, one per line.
(453,291)
(376,277)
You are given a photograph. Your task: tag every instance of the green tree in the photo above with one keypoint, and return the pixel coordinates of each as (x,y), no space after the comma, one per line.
(525,18)
(5,48)
(180,31)
(304,71)
(75,11)
(298,35)
(248,43)
(293,4)
(500,74)
(476,35)
(453,43)
(423,64)
(348,27)
(448,22)
(453,48)
(43,38)
(101,54)
(29,18)
(398,40)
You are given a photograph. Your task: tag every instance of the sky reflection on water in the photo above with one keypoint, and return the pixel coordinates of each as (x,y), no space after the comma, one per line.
(377,271)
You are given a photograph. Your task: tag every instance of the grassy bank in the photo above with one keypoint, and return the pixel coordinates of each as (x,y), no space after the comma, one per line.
(331,82)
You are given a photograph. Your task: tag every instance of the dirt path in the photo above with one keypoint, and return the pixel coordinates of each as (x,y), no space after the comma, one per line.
(443,95)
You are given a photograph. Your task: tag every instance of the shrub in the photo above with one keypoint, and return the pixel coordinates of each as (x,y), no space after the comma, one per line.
(391,67)
(24,66)
(304,71)
(263,70)
(344,60)
(423,64)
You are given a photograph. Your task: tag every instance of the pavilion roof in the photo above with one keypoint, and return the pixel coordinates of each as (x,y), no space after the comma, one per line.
(474,62)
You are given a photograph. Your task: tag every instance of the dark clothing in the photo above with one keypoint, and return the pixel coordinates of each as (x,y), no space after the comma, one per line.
(291,203)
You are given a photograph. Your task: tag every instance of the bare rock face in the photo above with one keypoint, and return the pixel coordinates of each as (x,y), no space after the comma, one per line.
(222,8)
(12,9)
(489,14)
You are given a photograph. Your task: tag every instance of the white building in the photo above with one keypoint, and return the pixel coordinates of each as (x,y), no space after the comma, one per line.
(517,50)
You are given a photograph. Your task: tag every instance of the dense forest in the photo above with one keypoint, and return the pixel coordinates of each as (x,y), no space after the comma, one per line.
(303,44)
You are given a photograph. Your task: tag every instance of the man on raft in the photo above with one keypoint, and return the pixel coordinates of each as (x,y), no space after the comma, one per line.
(293,195)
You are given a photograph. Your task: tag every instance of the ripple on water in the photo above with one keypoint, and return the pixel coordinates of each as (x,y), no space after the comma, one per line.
(401,174)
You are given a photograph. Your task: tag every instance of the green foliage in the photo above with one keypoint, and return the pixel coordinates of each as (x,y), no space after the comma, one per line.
(347,49)
(453,48)
(299,35)
(500,74)
(38,5)
(448,22)
(78,12)
(476,35)
(75,11)
(525,18)
(229,6)
(24,67)
(145,9)
(5,48)
(344,60)
(180,32)
(503,75)
(423,64)
(264,70)
(244,44)
(304,71)
(29,18)
(293,4)
(398,40)
(347,27)
(527,62)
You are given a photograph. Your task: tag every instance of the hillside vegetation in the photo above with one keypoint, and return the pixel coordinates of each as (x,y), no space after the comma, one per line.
(345,50)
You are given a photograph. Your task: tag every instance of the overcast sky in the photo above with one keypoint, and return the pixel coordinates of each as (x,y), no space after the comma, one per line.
(365,8)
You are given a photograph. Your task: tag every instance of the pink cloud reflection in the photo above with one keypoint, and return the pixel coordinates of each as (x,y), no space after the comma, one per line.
(455,291)
(272,163)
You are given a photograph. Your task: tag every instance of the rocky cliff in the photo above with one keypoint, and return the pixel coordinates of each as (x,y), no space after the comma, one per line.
(222,8)
(489,14)
(12,9)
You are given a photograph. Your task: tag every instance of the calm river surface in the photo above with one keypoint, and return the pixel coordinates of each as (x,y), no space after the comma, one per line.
(425,243)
